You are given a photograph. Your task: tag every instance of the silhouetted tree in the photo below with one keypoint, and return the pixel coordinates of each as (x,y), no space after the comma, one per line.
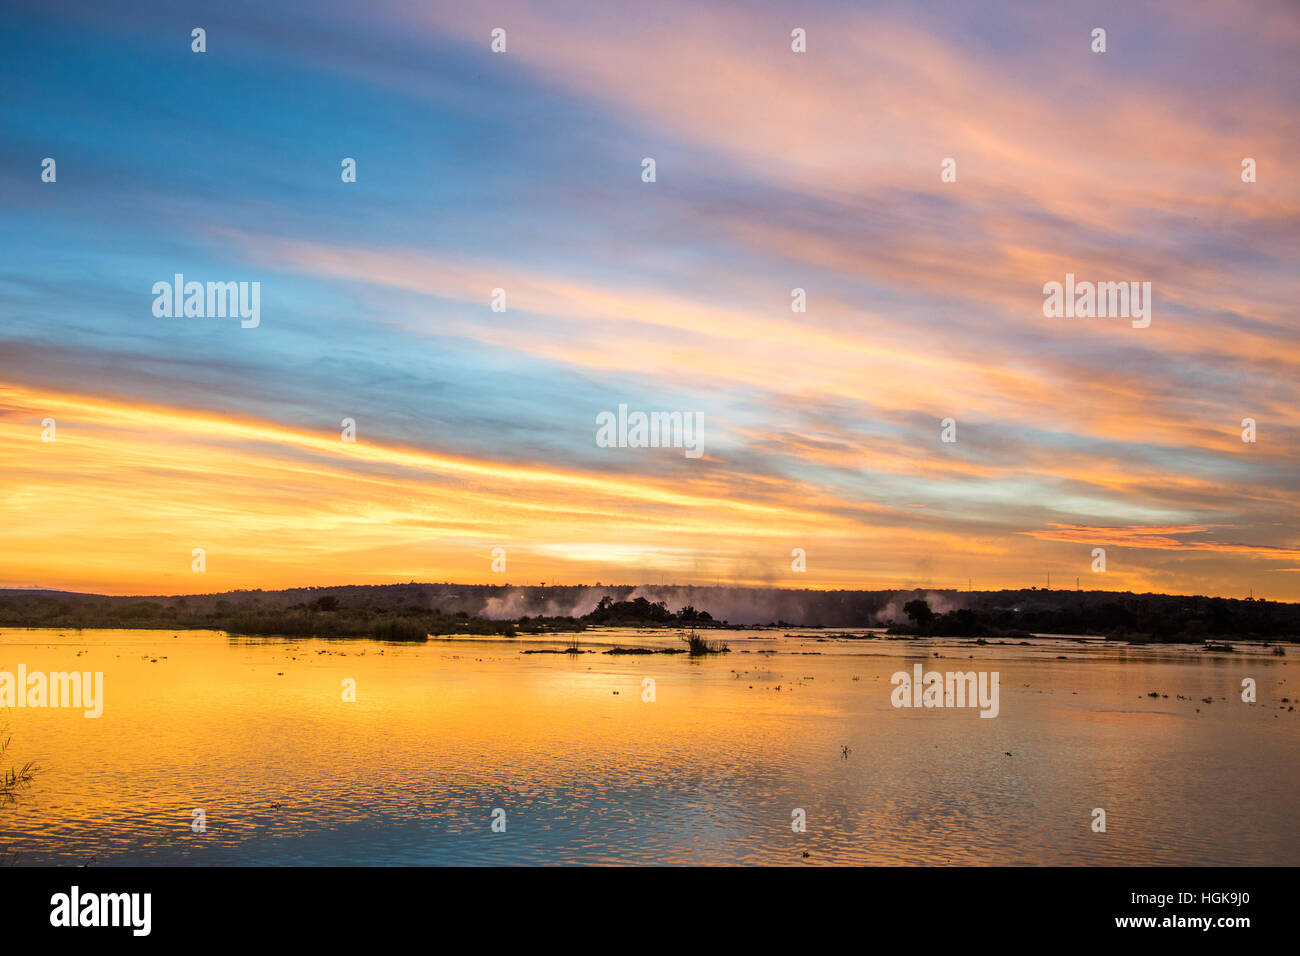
(919,611)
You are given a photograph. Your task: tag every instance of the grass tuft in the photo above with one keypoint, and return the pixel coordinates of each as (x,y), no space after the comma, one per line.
(698,646)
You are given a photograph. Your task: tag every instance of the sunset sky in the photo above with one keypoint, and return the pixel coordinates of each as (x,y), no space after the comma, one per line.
(775,170)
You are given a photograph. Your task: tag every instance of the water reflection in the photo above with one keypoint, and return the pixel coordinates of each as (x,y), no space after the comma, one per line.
(257,734)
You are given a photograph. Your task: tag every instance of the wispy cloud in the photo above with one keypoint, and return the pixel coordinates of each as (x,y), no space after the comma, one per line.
(775,171)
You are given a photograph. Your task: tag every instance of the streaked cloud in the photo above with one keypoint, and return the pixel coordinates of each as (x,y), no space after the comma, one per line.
(776,171)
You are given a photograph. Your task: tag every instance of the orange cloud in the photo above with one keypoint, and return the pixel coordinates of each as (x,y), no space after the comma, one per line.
(1158,538)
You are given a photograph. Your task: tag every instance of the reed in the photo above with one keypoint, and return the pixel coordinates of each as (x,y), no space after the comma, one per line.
(698,646)
(12,780)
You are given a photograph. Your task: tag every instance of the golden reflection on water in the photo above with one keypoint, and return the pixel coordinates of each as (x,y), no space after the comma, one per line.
(256,733)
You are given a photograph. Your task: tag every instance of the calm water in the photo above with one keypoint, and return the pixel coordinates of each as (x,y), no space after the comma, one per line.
(255,733)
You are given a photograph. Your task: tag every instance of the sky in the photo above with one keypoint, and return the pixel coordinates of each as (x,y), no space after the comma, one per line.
(824,462)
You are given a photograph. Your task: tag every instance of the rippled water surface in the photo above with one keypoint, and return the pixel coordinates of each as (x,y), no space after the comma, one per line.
(255,733)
